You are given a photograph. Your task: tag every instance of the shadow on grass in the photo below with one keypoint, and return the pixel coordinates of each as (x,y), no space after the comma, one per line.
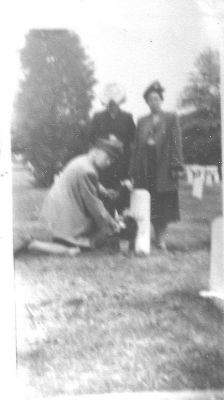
(184,247)
(204,370)
(193,330)
(189,306)
(188,237)
(181,335)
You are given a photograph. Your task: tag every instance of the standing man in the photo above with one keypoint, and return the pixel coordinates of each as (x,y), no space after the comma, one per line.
(109,124)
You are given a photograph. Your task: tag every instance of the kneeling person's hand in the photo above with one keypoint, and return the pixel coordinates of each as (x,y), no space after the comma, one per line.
(112,194)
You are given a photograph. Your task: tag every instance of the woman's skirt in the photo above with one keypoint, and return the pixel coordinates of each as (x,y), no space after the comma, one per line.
(165,207)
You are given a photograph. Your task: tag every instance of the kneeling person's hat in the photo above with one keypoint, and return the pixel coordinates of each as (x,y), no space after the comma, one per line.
(113,147)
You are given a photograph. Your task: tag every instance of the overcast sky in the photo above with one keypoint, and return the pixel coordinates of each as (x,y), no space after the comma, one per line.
(132,42)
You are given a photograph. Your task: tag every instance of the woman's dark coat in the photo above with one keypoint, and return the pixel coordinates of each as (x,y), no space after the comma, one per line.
(168,152)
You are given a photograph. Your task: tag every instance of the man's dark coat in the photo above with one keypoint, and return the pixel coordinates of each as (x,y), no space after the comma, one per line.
(123,127)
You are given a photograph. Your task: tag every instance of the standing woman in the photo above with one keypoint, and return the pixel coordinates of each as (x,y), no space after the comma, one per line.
(157,161)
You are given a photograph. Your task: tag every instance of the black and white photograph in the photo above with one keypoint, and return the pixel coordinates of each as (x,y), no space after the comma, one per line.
(114,165)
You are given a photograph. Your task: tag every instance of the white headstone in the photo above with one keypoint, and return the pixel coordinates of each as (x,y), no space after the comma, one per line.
(198,184)
(217,266)
(140,210)
(215,174)
(190,176)
(208,177)
(216,279)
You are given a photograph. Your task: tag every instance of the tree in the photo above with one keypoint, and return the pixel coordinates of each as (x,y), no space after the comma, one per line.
(202,126)
(52,106)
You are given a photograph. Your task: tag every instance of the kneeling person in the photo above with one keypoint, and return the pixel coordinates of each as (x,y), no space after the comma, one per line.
(73,210)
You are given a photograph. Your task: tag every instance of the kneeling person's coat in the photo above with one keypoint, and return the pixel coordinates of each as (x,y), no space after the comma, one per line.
(73,208)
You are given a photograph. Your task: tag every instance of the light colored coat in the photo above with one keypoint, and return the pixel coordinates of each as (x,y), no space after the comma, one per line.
(72,208)
(168,150)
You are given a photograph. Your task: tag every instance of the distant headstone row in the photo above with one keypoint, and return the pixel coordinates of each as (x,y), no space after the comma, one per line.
(199,175)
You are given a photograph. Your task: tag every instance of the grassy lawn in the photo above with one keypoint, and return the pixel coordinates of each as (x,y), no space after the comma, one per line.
(102,322)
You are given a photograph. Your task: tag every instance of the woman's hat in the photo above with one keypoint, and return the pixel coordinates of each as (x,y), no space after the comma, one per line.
(112,92)
(112,146)
(154,87)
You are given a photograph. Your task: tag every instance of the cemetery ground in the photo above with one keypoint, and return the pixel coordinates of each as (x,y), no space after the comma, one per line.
(104,322)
